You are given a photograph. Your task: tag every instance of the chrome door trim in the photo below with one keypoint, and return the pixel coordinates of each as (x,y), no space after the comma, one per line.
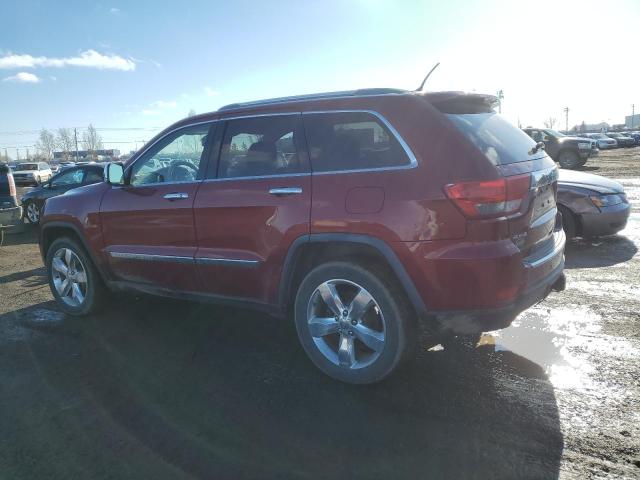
(148,257)
(230,262)
(257,177)
(284,191)
(175,196)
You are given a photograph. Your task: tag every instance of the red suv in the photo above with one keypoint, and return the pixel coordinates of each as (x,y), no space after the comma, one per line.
(372,216)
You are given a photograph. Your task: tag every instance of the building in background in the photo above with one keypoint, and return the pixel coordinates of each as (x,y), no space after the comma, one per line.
(632,121)
(109,154)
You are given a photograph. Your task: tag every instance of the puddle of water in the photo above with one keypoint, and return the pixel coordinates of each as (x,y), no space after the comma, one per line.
(564,341)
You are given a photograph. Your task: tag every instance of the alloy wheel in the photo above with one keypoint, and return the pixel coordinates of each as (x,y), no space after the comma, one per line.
(69,277)
(346,324)
(33,213)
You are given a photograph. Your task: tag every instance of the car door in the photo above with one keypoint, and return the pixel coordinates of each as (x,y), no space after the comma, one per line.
(147,223)
(60,184)
(253,205)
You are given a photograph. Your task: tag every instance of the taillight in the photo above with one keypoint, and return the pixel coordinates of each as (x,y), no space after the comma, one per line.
(12,186)
(490,198)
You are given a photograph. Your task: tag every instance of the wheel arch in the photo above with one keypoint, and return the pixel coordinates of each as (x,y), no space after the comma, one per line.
(308,251)
(51,231)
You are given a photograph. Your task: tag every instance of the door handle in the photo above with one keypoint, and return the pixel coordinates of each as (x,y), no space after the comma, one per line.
(176,196)
(280,192)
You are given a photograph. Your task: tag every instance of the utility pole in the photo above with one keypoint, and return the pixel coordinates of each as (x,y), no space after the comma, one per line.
(500,98)
(75,134)
(633,113)
(566,119)
(17,153)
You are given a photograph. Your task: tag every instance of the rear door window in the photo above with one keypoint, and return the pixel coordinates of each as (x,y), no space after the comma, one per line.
(260,146)
(499,140)
(351,141)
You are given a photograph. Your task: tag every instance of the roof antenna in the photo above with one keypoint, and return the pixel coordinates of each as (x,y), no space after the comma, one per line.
(419,89)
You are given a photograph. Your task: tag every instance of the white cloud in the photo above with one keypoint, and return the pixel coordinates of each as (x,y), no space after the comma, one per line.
(164,104)
(210,92)
(114,11)
(88,59)
(150,112)
(22,77)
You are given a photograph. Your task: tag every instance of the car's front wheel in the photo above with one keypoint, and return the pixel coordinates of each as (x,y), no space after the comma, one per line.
(569,159)
(32,212)
(73,279)
(354,326)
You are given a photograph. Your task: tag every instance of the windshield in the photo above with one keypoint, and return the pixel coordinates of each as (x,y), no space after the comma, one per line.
(500,141)
(28,166)
(554,133)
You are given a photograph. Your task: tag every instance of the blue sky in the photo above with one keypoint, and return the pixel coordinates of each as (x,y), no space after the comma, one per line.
(145,64)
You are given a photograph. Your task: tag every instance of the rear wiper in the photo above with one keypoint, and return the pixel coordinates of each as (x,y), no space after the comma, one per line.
(539,146)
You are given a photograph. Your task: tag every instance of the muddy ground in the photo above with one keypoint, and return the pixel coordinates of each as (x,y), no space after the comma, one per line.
(153,388)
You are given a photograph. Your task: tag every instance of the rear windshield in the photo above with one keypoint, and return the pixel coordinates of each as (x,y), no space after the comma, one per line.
(28,166)
(500,141)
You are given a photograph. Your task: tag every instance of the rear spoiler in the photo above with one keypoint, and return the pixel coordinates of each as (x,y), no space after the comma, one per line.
(461,102)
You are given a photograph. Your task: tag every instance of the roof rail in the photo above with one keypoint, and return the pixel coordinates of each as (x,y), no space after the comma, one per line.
(314,96)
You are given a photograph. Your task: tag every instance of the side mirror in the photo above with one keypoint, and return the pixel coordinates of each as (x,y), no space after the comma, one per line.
(114,174)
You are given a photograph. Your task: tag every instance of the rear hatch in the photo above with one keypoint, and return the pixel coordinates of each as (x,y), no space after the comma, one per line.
(7,188)
(526,191)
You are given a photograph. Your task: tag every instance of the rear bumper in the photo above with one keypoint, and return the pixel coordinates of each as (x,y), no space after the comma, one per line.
(540,275)
(608,221)
(25,181)
(10,216)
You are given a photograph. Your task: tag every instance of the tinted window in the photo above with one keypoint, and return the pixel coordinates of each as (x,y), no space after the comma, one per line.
(260,146)
(28,166)
(70,177)
(92,176)
(351,141)
(174,159)
(500,141)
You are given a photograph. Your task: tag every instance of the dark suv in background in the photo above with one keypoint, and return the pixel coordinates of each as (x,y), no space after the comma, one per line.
(370,216)
(569,152)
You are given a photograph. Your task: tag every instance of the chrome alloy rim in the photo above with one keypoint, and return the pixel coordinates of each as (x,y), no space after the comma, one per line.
(69,277)
(346,324)
(33,214)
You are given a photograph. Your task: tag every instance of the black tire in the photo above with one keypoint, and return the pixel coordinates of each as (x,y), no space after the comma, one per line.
(390,308)
(95,292)
(32,219)
(569,159)
(569,222)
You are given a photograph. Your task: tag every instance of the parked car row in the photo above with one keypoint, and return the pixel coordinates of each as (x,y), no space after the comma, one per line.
(608,140)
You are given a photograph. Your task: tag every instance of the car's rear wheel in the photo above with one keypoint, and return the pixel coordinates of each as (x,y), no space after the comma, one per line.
(569,223)
(354,326)
(32,212)
(73,279)
(569,159)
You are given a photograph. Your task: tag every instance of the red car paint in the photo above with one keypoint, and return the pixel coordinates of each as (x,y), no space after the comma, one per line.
(232,240)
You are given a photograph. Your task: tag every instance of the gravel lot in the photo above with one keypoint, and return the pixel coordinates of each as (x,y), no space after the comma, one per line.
(153,388)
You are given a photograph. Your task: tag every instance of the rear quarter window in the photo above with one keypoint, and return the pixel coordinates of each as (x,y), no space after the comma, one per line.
(351,141)
(500,141)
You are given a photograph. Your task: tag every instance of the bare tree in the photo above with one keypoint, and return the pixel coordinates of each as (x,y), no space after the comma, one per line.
(550,122)
(192,113)
(91,141)
(65,142)
(46,144)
